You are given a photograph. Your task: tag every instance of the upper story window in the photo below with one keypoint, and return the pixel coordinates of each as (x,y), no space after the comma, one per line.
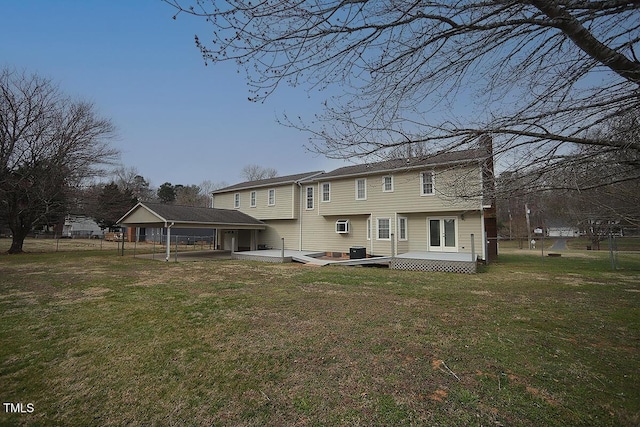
(252,199)
(326,192)
(236,200)
(387,184)
(309,198)
(361,189)
(427,183)
(271,200)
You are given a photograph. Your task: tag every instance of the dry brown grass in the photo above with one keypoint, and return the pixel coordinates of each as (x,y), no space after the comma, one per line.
(92,338)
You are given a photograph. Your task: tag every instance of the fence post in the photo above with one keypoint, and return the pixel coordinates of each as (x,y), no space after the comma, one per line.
(176,256)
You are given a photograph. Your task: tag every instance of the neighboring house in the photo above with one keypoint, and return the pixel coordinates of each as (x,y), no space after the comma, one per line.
(561,229)
(80,226)
(428,204)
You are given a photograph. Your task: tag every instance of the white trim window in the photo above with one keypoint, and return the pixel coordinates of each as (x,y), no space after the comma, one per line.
(427,183)
(403,228)
(236,200)
(326,191)
(271,199)
(252,199)
(384,228)
(310,201)
(361,189)
(387,184)
(368,228)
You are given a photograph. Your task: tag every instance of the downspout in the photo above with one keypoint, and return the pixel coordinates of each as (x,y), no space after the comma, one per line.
(168,227)
(300,216)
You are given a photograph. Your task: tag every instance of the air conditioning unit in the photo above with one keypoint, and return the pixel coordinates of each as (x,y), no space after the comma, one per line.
(342,226)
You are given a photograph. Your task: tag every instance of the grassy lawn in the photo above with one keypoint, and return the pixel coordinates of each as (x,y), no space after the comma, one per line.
(93,338)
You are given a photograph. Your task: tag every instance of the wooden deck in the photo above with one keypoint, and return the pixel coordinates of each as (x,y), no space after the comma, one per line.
(419,261)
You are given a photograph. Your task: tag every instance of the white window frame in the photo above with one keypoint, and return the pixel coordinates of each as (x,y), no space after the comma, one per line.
(384,184)
(378,228)
(236,200)
(309,198)
(364,188)
(342,226)
(422,183)
(403,229)
(327,193)
(271,199)
(253,199)
(368,228)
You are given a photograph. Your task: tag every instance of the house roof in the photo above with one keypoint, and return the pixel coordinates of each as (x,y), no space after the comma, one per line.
(394,165)
(270,182)
(161,214)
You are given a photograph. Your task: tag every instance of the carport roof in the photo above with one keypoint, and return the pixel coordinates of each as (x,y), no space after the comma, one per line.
(162,215)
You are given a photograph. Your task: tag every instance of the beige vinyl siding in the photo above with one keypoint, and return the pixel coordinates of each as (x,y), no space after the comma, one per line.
(285,206)
(320,233)
(276,230)
(472,223)
(406,195)
(418,231)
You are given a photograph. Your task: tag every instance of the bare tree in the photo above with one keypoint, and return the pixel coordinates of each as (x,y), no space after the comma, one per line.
(49,144)
(190,195)
(255,172)
(207,187)
(595,189)
(129,178)
(537,75)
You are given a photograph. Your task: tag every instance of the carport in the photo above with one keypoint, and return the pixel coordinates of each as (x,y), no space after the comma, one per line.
(161,215)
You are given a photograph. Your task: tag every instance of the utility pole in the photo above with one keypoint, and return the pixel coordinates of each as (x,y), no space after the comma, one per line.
(527,212)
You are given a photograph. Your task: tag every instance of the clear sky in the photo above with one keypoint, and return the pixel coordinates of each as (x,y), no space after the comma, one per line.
(177,119)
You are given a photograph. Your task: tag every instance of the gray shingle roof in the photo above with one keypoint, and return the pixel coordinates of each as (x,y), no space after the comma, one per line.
(179,213)
(451,157)
(280,180)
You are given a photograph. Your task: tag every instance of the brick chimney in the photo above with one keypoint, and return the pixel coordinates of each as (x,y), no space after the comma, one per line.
(489,198)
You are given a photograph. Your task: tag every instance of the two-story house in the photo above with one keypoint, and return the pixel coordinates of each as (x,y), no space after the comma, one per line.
(430,205)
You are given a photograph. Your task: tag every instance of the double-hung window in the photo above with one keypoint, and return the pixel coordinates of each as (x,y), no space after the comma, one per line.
(384,229)
(271,200)
(427,183)
(387,184)
(236,200)
(252,199)
(361,189)
(326,192)
(309,191)
(402,228)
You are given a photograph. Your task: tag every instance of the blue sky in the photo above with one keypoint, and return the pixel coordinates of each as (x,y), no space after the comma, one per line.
(177,119)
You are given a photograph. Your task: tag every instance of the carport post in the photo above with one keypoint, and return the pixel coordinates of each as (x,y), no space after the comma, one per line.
(168,227)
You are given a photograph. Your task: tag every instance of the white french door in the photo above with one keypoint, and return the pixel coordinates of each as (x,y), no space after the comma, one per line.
(443,234)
